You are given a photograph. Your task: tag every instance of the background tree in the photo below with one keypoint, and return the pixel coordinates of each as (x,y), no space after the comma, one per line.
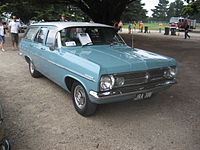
(192,10)
(19,8)
(134,12)
(160,11)
(102,11)
(175,9)
(189,1)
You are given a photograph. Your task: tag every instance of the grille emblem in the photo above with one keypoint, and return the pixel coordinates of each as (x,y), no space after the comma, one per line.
(147,76)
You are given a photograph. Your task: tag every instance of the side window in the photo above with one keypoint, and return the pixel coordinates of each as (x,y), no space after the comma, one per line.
(51,38)
(69,36)
(40,37)
(31,33)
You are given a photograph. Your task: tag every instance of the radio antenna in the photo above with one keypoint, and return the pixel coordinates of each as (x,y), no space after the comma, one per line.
(132,38)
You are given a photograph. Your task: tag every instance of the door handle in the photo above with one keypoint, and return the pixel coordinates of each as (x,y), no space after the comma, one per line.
(42,48)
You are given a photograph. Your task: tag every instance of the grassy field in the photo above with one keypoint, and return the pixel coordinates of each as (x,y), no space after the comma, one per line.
(198,26)
(155,26)
(151,26)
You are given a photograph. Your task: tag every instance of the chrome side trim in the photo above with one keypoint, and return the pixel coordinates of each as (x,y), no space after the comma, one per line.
(62,67)
(112,94)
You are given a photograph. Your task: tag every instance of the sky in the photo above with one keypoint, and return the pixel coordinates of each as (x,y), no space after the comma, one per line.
(150,4)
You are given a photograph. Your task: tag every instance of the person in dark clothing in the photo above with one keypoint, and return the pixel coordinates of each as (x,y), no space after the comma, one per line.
(186,29)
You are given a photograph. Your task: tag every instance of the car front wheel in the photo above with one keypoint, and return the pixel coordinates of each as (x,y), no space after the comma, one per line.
(5,145)
(81,102)
(34,73)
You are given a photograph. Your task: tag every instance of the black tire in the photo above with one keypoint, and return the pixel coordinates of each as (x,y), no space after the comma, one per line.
(6,145)
(81,101)
(34,73)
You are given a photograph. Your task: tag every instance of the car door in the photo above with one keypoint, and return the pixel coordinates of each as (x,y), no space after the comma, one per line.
(53,58)
(27,44)
(38,49)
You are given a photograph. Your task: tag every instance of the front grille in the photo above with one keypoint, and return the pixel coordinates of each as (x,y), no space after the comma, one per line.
(143,77)
(141,87)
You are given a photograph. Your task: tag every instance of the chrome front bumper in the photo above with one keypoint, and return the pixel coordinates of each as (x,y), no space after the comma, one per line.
(120,93)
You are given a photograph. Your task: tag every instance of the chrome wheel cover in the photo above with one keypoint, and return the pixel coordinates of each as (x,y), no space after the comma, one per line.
(6,145)
(32,68)
(80,97)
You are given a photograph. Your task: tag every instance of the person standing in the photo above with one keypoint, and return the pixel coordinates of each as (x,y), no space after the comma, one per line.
(2,38)
(141,26)
(120,26)
(129,28)
(62,18)
(14,28)
(134,25)
(186,26)
(116,26)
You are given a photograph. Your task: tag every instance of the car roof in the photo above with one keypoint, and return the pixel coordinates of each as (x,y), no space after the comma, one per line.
(62,25)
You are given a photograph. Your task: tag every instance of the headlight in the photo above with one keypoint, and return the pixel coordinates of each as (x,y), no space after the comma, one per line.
(119,81)
(107,82)
(170,73)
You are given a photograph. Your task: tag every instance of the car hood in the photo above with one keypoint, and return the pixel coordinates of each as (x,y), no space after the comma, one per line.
(115,59)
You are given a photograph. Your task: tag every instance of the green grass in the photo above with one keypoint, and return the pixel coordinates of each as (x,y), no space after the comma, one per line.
(155,26)
(198,26)
(151,26)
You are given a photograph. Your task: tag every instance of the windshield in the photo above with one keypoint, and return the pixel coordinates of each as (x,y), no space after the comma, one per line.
(77,36)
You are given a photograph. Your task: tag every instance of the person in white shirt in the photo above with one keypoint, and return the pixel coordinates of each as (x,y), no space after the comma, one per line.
(14,28)
(2,39)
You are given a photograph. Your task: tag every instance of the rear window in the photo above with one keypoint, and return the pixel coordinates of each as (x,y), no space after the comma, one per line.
(40,37)
(31,33)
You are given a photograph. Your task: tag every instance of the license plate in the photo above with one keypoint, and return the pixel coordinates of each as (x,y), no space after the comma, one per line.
(143,96)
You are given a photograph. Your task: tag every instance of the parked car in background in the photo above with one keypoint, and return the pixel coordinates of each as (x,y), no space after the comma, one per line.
(94,63)
(4,143)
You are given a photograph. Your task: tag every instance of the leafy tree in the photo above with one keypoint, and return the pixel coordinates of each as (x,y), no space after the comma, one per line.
(160,11)
(40,10)
(192,10)
(17,7)
(102,11)
(175,9)
(134,12)
(189,1)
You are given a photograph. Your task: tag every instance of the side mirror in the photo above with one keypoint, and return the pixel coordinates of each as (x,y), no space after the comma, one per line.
(52,48)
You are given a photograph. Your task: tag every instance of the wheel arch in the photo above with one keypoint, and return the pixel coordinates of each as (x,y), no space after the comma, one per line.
(69,80)
(27,58)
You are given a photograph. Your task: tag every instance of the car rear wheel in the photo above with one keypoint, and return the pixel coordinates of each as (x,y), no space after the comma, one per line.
(34,73)
(81,101)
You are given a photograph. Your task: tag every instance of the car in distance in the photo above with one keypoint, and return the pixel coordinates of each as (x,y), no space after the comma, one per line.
(93,62)
(4,143)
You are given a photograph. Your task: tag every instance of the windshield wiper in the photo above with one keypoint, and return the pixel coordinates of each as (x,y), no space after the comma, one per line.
(89,43)
(116,43)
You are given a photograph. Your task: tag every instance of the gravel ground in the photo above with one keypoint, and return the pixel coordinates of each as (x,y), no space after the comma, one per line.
(39,115)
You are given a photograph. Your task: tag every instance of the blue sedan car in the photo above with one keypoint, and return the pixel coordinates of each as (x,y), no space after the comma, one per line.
(94,63)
